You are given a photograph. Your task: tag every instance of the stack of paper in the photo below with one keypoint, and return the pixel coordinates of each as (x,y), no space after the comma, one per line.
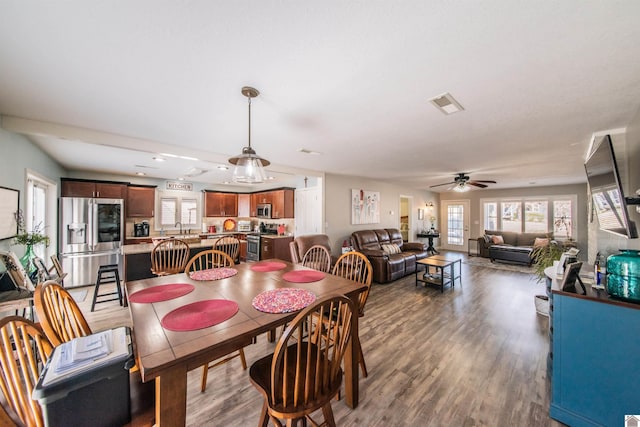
(84,350)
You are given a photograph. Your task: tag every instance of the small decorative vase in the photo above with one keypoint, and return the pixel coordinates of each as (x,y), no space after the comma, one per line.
(623,275)
(26,260)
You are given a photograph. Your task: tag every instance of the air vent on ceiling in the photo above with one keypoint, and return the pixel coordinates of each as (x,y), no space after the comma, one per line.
(446,103)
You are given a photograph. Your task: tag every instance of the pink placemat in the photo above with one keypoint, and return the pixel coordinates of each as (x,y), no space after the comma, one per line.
(303,276)
(283,300)
(198,315)
(161,293)
(213,273)
(268,266)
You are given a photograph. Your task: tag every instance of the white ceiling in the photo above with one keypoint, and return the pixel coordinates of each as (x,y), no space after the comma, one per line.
(349,79)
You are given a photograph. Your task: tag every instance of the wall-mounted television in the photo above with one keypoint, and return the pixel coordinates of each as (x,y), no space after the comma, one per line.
(607,197)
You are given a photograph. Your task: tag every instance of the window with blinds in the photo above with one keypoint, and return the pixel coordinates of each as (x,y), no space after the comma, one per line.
(176,210)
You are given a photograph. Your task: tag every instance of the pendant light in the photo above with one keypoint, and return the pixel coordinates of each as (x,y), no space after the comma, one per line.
(248,165)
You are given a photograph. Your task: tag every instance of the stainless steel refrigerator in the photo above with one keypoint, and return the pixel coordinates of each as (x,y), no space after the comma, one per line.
(91,235)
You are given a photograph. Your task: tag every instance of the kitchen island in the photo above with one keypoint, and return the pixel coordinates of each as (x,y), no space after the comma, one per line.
(137,257)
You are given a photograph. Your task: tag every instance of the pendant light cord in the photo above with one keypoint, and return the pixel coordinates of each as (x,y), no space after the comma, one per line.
(249,98)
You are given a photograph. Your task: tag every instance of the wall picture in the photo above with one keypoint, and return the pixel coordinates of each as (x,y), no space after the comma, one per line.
(9,202)
(365,207)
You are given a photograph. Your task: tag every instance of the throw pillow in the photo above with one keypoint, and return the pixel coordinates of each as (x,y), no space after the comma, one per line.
(488,238)
(539,242)
(497,240)
(391,249)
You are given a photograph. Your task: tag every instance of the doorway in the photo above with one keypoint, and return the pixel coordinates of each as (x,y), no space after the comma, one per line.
(405,217)
(455,227)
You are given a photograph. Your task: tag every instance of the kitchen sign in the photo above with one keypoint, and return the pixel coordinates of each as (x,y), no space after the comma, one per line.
(179,186)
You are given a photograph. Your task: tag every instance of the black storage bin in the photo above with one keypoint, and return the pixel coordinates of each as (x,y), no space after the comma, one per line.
(96,395)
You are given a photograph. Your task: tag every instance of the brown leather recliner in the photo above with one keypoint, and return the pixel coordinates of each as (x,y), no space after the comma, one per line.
(387,266)
(301,244)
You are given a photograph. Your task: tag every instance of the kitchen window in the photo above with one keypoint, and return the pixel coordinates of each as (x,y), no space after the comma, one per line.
(179,211)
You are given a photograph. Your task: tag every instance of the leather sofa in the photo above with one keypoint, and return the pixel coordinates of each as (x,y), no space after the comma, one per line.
(378,245)
(516,247)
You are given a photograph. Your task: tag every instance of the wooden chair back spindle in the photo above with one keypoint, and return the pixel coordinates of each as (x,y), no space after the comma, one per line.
(211,258)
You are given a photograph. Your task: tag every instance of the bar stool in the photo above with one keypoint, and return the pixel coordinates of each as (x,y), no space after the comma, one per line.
(108,274)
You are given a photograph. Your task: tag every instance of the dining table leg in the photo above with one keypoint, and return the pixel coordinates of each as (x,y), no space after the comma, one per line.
(171,397)
(351,377)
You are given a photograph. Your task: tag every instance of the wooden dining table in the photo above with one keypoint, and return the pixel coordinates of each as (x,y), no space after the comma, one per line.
(167,356)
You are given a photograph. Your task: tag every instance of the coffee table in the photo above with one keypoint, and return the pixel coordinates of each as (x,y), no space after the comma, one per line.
(440,277)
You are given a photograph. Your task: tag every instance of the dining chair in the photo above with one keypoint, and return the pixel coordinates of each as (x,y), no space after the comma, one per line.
(170,256)
(318,258)
(60,317)
(355,266)
(210,258)
(204,260)
(229,245)
(304,373)
(20,297)
(58,267)
(24,349)
(45,273)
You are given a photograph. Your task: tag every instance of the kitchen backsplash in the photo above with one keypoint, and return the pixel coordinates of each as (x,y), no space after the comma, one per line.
(218,222)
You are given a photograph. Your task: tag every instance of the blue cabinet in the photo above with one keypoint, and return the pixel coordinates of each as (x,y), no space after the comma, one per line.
(596,360)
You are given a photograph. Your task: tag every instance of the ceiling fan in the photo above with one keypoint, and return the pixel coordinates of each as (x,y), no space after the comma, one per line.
(462,181)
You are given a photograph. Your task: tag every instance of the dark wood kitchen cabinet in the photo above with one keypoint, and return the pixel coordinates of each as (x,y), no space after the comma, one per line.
(275,247)
(220,204)
(89,188)
(282,204)
(141,201)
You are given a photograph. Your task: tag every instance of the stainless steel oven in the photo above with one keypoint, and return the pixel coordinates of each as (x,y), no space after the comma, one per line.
(253,247)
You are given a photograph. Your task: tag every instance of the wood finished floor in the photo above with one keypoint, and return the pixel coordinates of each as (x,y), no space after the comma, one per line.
(474,355)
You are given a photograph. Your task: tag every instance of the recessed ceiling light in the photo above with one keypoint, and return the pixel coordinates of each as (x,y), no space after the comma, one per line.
(446,103)
(180,179)
(306,151)
(159,159)
(140,173)
(188,158)
(168,155)
(223,168)
(270,178)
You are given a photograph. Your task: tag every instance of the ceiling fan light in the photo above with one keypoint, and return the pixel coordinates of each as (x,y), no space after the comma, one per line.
(461,187)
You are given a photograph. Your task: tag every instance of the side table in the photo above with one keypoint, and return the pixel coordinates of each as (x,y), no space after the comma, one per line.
(473,243)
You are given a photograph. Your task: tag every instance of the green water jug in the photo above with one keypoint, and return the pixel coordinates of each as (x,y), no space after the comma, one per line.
(623,275)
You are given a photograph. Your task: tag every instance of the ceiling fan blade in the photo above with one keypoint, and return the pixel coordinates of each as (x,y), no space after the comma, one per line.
(440,185)
(477,184)
(485,181)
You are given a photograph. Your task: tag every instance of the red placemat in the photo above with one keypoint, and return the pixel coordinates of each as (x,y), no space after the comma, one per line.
(303,276)
(268,266)
(213,273)
(161,293)
(283,300)
(198,315)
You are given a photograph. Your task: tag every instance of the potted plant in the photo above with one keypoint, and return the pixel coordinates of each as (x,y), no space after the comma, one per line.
(544,256)
(29,239)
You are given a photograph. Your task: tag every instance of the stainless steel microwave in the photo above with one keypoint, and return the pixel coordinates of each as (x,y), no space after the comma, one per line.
(264,210)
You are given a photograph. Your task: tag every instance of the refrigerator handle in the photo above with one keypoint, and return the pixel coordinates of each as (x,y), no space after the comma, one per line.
(93,224)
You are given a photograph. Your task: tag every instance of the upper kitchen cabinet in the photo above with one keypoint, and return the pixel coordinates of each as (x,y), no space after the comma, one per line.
(244,205)
(282,204)
(141,201)
(220,204)
(88,188)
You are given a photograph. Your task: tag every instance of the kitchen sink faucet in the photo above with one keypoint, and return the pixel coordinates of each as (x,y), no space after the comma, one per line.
(178,224)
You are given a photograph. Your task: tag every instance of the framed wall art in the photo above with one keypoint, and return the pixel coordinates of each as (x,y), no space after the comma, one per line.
(365,206)
(9,203)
